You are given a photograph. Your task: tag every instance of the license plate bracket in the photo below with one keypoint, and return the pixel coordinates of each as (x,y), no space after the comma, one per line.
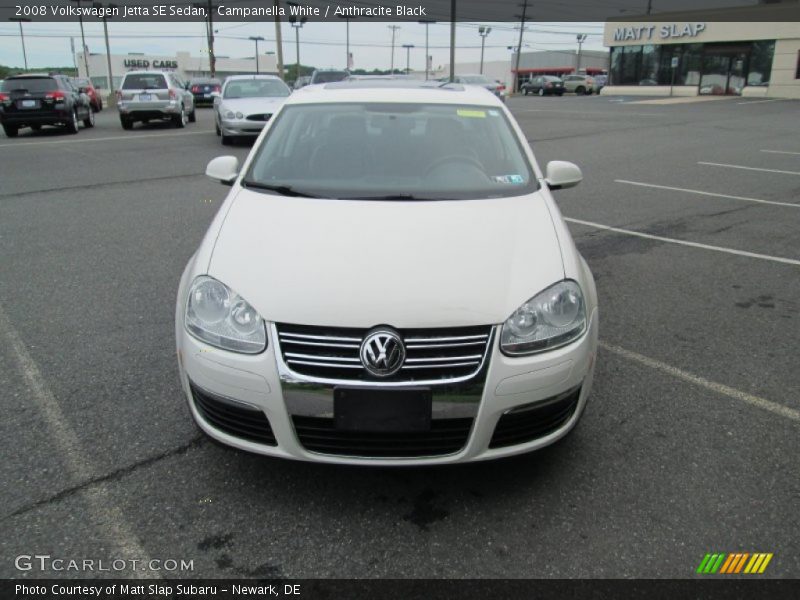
(382,409)
(144,98)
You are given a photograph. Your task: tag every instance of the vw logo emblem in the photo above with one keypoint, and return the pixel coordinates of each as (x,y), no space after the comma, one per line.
(382,353)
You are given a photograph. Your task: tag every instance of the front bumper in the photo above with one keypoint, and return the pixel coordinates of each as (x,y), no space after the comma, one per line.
(542,396)
(241,127)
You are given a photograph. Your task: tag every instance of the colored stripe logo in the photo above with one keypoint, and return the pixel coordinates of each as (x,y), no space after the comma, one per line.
(734,563)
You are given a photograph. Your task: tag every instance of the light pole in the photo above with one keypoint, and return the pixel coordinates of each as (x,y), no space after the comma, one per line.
(22,20)
(408,48)
(426,22)
(256,39)
(483,32)
(278,39)
(394,29)
(83,40)
(297,24)
(581,37)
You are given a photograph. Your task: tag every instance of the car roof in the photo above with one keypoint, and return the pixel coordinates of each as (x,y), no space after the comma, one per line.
(253,76)
(398,91)
(150,72)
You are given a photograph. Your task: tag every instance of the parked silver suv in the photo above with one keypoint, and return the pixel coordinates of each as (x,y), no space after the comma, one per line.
(580,84)
(149,95)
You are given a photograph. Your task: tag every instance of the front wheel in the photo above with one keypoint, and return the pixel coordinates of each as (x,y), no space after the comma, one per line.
(580,90)
(226,140)
(11,130)
(541,91)
(193,116)
(217,129)
(72,124)
(89,120)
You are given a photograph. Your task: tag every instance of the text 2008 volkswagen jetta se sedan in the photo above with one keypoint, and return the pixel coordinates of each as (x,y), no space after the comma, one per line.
(389,281)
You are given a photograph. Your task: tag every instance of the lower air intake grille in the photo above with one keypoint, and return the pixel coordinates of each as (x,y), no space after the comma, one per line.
(234,419)
(530,423)
(261,117)
(446,436)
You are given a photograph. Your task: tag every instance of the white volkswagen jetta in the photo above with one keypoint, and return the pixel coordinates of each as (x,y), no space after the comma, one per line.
(389,281)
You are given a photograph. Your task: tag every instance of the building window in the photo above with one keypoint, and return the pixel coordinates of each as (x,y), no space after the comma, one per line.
(631,65)
(761,63)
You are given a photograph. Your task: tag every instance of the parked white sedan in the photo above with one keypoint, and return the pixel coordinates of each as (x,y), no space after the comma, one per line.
(389,281)
(245,104)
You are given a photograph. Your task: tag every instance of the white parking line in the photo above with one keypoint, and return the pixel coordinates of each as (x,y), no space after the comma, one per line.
(701,193)
(748,168)
(780,152)
(67,446)
(103,139)
(779,259)
(762,403)
(760,101)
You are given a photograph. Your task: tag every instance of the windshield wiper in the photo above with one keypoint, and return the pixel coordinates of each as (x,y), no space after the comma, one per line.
(394,197)
(283,190)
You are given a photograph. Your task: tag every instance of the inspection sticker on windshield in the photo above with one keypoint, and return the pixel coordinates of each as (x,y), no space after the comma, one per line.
(471,114)
(512,179)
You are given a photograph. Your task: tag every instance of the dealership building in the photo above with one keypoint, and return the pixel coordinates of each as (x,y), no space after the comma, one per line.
(183,63)
(754,51)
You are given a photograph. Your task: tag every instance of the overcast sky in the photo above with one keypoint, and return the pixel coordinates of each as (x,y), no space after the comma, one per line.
(321,44)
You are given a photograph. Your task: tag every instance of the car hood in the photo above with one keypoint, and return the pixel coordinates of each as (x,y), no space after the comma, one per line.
(249,106)
(406,264)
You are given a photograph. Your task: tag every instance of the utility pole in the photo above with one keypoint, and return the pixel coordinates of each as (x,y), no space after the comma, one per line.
(483,32)
(519,45)
(83,40)
(649,6)
(581,38)
(408,48)
(212,60)
(347,40)
(394,29)
(256,39)
(278,38)
(108,52)
(297,24)
(426,22)
(22,20)
(452,40)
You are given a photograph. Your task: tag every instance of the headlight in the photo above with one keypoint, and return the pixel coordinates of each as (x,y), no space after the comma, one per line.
(218,316)
(239,115)
(550,319)
(229,114)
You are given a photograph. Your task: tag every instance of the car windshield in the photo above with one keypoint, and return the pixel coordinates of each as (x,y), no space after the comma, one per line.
(255,88)
(329,76)
(391,151)
(144,82)
(32,84)
(476,79)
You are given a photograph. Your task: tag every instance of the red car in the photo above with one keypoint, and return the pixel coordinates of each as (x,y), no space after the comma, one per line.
(86,84)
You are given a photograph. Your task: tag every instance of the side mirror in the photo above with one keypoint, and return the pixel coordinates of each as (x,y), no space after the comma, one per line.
(561,174)
(224,169)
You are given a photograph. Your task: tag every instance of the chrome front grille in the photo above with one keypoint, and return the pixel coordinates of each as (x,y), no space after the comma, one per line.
(432,355)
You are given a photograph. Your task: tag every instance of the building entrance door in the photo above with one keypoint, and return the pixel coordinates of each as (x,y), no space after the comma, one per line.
(724,72)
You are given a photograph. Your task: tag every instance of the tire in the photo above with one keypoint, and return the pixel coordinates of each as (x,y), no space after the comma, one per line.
(89,120)
(541,92)
(227,140)
(560,94)
(180,119)
(216,128)
(11,130)
(126,123)
(193,116)
(73,126)
(36,127)
(526,91)
(580,90)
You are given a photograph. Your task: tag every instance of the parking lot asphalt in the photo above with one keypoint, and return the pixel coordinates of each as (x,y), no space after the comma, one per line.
(689,443)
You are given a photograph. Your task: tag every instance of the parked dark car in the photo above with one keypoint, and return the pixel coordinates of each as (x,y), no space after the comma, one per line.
(328,76)
(34,100)
(543,85)
(203,88)
(85,85)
